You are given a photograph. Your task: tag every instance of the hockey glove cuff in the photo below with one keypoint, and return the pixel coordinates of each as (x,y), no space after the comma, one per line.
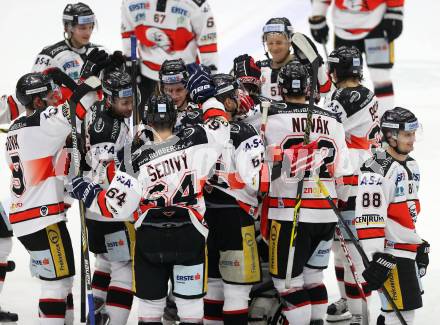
(377,272)
(84,190)
(422,257)
(392,23)
(319,29)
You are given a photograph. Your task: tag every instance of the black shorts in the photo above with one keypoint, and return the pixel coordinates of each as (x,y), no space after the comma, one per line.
(114,239)
(5,226)
(232,247)
(51,252)
(312,246)
(369,50)
(177,254)
(403,286)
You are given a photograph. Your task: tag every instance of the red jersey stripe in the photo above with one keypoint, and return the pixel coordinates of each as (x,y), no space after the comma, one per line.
(13,108)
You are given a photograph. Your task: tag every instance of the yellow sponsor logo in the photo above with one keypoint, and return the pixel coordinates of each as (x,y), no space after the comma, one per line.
(250,254)
(392,284)
(273,247)
(57,250)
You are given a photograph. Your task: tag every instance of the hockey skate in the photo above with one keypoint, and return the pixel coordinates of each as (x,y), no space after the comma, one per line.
(338,311)
(6,316)
(101,317)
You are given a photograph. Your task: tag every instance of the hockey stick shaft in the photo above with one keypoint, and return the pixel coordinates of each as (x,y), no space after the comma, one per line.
(315,65)
(344,247)
(133,47)
(356,243)
(324,46)
(77,170)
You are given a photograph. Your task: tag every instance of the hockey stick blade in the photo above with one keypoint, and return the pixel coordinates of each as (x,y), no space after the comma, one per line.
(303,44)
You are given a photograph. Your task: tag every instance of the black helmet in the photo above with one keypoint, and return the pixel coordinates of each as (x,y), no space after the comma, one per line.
(117,84)
(278,25)
(31,85)
(78,14)
(225,86)
(397,119)
(293,79)
(346,62)
(173,72)
(160,111)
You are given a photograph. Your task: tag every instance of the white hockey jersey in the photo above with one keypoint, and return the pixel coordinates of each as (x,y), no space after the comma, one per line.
(34,154)
(357,108)
(65,57)
(106,135)
(163,182)
(237,174)
(387,206)
(285,129)
(354,19)
(169,29)
(10,109)
(269,85)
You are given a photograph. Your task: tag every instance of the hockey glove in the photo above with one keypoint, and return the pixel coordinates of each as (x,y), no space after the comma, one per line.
(392,24)
(319,29)
(60,78)
(117,61)
(84,190)
(246,102)
(422,257)
(377,272)
(199,84)
(96,61)
(246,68)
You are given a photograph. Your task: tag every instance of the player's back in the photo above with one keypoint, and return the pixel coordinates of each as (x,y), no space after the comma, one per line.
(285,129)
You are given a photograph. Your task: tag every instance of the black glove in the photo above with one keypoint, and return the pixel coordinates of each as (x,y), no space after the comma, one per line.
(60,78)
(422,257)
(300,55)
(117,61)
(392,24)
(319,29)
(84,190)
(199,84)
(95,62)
(377,272)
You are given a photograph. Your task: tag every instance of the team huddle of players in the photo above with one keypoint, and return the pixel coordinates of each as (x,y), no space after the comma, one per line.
(220,206)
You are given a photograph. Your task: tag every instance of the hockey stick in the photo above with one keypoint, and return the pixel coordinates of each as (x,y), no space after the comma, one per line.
(136,119)
(324,46)
(350,262)
(355,241)
(89,84)
(300,41)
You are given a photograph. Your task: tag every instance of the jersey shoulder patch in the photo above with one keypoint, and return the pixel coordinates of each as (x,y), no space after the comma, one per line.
(55,49)
(240,132)
(199,2)
(380,163)
(263,63)
(104,128)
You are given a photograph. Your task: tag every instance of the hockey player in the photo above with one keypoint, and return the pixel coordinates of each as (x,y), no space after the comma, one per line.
(357,108)
(277,33)
(162,185)
(70,54)
(305,298)
(168,30)
(37,214)
(110,241)
(371,26)
(173,76)
(10,108)
(5,265)
(387,207)
(231,200)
